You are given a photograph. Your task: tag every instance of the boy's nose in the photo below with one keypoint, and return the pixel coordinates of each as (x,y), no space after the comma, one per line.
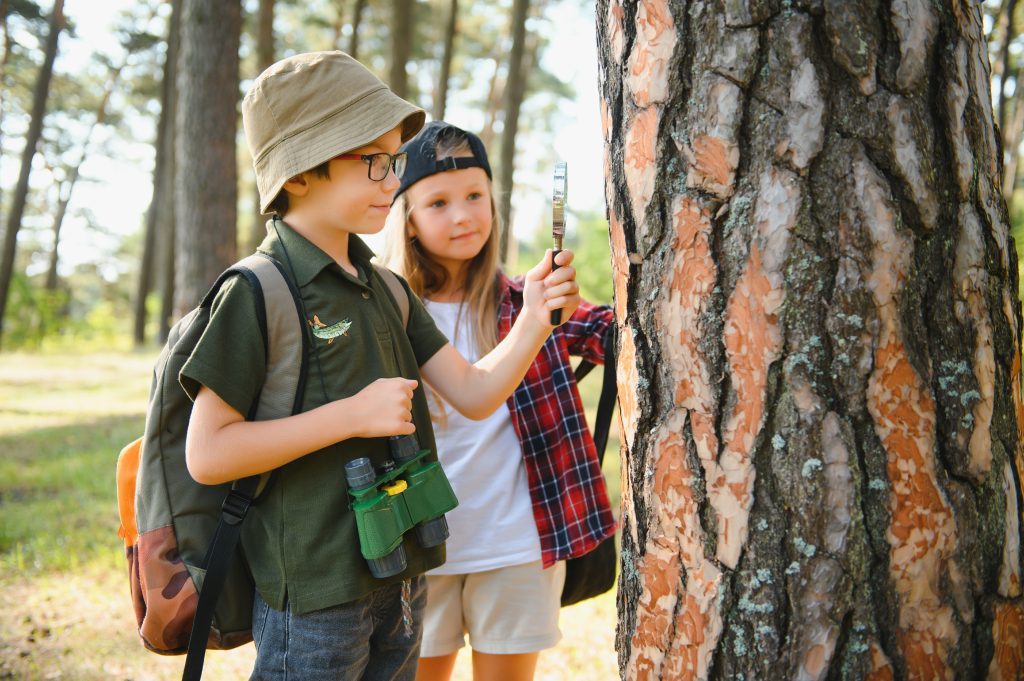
(390,182)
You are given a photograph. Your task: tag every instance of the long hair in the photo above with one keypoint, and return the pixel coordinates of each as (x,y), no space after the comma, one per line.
(406,256)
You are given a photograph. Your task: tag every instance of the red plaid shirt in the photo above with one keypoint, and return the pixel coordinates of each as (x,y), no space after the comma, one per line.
(570,501)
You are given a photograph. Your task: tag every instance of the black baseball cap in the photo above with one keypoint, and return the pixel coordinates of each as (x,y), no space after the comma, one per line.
(422,151)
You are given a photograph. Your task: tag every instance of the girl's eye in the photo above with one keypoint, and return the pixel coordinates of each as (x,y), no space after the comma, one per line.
(437,204)
(474,196)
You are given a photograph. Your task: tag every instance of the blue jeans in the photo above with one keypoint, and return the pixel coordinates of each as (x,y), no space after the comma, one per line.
(369,639)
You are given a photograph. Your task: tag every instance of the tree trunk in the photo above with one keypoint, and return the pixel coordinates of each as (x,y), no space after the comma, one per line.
(205,193)
(493,104)
(58,221)
(401,45)
(164,189)
(357,22)
(441,97)
(1008,30)
(35,131)
(5,9)
(1011,145)
(515,90)
(67,187)
(820,366)
(264,58)
(160,216)
(339,23)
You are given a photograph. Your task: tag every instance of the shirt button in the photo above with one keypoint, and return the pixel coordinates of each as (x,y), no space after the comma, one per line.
(366,295)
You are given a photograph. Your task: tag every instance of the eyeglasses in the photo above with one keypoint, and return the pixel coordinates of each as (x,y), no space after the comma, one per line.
(377,165)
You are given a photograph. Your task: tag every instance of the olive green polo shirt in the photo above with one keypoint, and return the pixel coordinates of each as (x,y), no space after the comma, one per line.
(300,540)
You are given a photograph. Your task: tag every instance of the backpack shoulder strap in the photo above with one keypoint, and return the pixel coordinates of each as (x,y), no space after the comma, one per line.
(609,392)
(279,309)
(286,339)
(397,291)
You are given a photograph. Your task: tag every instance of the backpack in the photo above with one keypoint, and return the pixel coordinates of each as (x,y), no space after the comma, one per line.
(191,588)
(593,573)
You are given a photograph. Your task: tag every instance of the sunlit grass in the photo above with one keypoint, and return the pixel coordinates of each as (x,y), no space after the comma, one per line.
(65,611)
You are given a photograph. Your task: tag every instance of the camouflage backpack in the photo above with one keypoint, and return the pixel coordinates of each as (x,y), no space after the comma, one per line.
(189,589)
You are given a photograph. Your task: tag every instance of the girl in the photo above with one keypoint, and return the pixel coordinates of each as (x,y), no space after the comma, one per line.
(527,477)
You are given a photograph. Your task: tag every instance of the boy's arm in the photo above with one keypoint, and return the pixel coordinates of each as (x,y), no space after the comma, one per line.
(222,446)
(476,390)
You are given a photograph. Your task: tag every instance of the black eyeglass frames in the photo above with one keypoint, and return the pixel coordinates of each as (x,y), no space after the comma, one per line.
(377,165)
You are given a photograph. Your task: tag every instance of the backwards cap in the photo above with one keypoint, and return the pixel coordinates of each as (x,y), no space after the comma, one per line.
(422,151)
(309,108)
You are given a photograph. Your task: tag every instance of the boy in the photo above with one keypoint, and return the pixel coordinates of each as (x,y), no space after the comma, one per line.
(324,133)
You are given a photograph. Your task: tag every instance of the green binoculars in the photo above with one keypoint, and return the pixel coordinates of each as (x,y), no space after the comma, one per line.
(412,494)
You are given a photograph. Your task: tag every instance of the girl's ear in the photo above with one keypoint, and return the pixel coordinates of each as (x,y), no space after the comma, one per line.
(297,186)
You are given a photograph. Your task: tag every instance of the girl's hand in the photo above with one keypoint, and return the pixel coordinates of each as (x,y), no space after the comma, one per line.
(545,291)
(384,408)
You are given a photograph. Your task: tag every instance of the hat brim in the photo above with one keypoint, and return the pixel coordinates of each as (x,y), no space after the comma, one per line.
(354,126)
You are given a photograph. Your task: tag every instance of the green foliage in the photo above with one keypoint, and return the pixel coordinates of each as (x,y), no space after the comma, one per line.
(587,238)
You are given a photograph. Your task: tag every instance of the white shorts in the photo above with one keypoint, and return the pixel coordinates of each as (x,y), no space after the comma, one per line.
(506,611)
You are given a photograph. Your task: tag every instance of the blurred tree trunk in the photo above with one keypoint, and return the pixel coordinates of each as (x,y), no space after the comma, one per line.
(515,90)
(357,21)
(1011,143)
(1006,28)
(401,45)
(441,96)
(158,244)
(5,10)
(35,131)
(205,192)
(819,370)
(67,187)
(166,223)
(339,23)
(264,59)
(493,105)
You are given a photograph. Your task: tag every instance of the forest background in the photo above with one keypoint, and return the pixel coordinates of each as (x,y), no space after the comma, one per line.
(81,235)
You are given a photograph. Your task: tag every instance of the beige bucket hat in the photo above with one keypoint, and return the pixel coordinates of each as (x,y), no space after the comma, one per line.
(311,107)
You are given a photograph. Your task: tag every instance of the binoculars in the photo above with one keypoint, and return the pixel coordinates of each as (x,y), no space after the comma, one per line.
(406,493)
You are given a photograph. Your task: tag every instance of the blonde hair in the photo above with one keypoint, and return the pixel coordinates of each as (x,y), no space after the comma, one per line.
(406,256)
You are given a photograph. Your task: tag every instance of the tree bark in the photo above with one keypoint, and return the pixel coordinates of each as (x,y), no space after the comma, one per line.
(357,21)
(401,45)
(819,361)
(35,131)
(515,90)
(441,97)
(206,176)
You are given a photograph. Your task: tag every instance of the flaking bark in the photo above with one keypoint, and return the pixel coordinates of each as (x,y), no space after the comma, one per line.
(819,361)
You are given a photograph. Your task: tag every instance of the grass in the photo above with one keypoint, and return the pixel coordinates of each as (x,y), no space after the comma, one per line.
(65,612)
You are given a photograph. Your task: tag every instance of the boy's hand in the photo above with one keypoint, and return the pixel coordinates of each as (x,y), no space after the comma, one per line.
(384,408)
(545,290)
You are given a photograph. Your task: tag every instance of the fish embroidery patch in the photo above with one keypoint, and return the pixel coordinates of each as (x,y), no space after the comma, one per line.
(321,330)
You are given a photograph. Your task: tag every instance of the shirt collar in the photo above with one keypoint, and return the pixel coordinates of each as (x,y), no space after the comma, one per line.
(302,256)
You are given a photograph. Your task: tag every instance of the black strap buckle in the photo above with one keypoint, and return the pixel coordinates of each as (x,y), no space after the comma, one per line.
(235,506)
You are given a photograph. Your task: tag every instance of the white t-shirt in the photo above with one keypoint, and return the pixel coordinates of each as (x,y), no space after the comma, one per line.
(493,524)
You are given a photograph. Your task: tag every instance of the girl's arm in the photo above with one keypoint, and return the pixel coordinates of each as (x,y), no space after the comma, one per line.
(584,333)
(222,446)
(476,390)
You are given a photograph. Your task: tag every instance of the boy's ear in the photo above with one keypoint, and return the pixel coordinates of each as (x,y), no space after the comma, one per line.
(297,186)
